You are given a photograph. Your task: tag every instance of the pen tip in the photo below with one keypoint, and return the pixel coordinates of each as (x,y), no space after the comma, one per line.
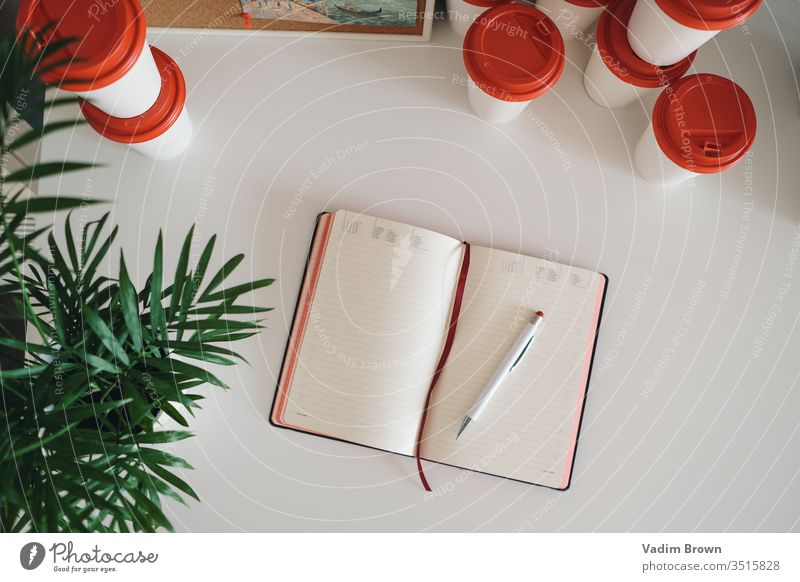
(540,313)
(464,424)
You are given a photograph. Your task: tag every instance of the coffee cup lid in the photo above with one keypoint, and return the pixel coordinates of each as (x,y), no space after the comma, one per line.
(704,123)
(709,14)
(487,3)
(617,54)
(590,3)
(153,122)
(514,52)
(108,39)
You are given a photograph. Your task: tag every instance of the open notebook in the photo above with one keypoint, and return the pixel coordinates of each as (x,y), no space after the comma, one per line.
(370,326)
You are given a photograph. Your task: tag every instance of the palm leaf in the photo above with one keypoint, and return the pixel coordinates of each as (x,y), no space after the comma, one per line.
(44,169)
(129,306)
(157,319)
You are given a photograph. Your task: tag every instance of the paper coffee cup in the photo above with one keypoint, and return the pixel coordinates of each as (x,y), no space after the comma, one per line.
(702,124)
(663,32)
(573,17)
(614,75)
(134,93)
(163,131)
(494,109)
(109,63)
(462,13)
(513,54)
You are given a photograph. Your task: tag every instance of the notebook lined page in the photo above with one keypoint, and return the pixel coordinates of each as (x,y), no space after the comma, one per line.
(528,430)
(374,332)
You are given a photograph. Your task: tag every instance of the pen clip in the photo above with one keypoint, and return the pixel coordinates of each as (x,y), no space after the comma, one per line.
(522,353)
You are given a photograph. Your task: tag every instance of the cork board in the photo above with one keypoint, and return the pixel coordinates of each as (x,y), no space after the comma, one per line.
(221,15)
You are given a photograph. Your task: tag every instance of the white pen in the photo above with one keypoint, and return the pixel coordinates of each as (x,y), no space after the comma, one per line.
(510,361)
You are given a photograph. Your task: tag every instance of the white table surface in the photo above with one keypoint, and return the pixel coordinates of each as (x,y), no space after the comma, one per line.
(685,427)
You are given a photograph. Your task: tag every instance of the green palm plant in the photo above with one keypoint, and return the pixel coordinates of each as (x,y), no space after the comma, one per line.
(81,443)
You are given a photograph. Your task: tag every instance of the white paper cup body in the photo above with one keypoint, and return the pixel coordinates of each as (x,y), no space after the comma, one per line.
(462,14)
(171,143)
(658,39)
(571,20)
(653,164)
(606,88)
(490,108)
(134,93)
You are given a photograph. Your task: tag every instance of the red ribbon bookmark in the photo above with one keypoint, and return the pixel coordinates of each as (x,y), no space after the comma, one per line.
(451,332)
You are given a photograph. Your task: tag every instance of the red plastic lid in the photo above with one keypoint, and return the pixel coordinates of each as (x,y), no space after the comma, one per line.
(591,3)
(487,3)
(709,14)
(109,39)
(153,122)
(514,52)
(616,52)
(704,123)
